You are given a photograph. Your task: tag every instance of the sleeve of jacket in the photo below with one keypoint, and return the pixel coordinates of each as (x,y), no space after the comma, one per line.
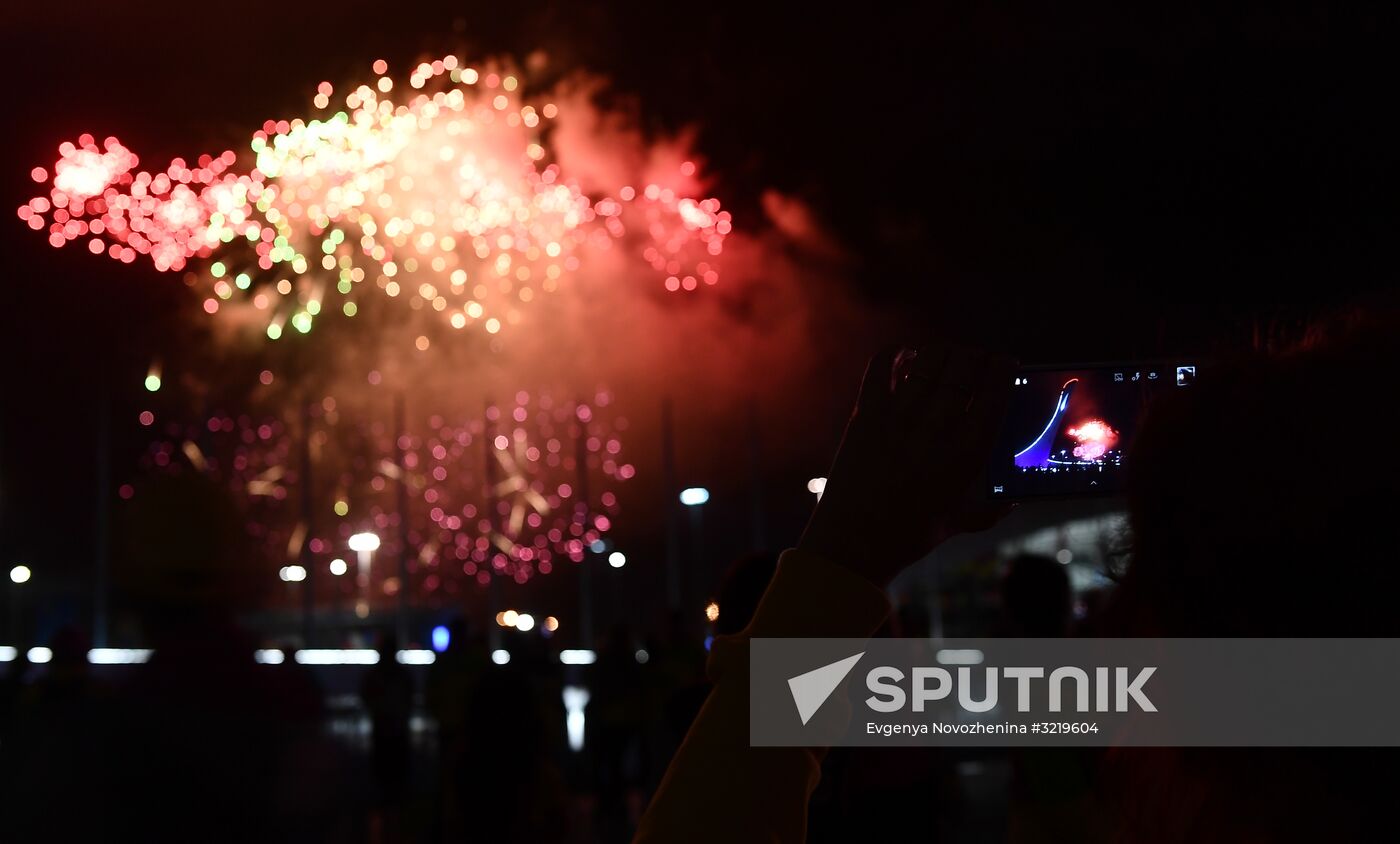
(717,787)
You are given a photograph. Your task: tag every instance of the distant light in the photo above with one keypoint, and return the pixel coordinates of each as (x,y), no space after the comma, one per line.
(337,656)
(416,656)
(292,574)
(694,496)
(817,486)
(617,559)
(338,566)
(598,546)
(7,653)
(712,611)
(551,623)
(525,622)
(153,383)
(364,542)
(118,656)
(40,654)
(21,574)
(508,618)
(959,656)
(269,656)
(578,657)
(500,656)
(575,703)
(642,656)
(442,637)
(1064,556)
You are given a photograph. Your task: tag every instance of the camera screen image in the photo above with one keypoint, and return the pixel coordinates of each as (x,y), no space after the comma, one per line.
(1067,429)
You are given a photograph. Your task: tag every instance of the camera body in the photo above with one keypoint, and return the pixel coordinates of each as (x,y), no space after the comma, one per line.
(1068,427)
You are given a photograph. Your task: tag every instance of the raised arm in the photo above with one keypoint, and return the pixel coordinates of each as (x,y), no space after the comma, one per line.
(917,439)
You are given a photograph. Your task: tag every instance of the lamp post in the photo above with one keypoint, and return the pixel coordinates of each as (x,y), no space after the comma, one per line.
(338,569)
(20,574)
(364,544)
(694,498)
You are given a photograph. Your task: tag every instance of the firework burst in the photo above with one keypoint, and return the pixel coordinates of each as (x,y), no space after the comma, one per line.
(1093,439)
(511,492)
(446,197)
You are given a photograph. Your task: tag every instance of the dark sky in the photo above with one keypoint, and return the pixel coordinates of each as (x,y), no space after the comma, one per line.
(1091,184)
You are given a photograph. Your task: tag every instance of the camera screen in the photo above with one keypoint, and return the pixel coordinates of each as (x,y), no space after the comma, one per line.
(1067,429)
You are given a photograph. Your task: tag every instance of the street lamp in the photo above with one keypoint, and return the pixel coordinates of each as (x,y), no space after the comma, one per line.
(19,574)
(694,496)
(364,544)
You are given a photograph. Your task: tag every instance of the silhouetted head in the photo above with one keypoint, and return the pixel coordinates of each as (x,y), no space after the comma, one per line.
(1261,497)
(387,644)
(183,547)
(741,590)
(70,649)
(1035,595)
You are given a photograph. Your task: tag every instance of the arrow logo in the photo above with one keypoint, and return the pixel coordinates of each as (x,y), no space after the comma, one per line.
(810,690)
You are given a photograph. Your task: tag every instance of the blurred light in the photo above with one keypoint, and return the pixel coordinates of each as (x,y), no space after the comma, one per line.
(338,567)
(153,382)
(269,656)
(292,574)
(817,486)
(551,623)
(364,542)
(617,559)
(337,656)
(20,574)
(525,623)
(642,656)
(712,611)
(959,656)
(509,618)
(118,656)
(1064,556)
(598,546)
(40,655)
(451,167)
(500,656)
(575,701)
(7,653)
(694,496)
(442,637)
(578,657)
(416,656)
